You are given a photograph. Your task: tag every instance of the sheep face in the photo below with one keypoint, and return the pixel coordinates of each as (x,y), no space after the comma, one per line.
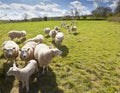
(12,71)
(9,52)
(25,53)
(56,52)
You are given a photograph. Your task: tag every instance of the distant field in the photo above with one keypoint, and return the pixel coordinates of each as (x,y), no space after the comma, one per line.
(90,62)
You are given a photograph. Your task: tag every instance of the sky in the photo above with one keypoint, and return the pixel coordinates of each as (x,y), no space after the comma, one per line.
(17,9)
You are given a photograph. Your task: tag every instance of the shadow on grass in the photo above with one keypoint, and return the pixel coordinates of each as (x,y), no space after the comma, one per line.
(2,56)
(63,48)
(6,82)
(47,36)
(43,83)
(19,41)
(76,33)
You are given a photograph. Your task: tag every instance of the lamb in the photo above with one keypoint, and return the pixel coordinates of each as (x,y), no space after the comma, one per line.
(16,34)
(10,50)
(52,34)
(38,39)
(47,30)
(27,51)
(24,74)
(59,38)
(44,55)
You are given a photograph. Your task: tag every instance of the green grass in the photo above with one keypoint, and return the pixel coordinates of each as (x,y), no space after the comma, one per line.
(90,62)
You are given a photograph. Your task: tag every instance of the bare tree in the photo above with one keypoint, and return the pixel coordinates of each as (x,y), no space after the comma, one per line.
(117,10)
(25,16)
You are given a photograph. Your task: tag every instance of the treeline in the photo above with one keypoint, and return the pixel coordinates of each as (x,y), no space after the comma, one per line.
(100,13)
(107,13)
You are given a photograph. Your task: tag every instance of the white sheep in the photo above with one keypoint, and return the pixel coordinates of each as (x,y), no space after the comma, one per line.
(59,38)
(46,30)
(53,33)
(67,26)
(38,39)
(57,28)
(27,51)
(24,74)
(16,34)
(62,24)
(43,54)
(10,50)
(74,28)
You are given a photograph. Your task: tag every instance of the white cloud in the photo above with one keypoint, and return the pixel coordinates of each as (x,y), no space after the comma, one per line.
(45,0)
(83,10)
(16,11)
(96,3)
(114,4)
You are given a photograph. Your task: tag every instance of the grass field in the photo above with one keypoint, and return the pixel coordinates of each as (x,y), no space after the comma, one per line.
(90,62)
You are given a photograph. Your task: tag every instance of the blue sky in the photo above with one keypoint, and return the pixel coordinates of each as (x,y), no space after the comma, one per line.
(16,9)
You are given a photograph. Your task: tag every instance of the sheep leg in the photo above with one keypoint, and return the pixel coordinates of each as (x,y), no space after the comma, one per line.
(27,85)
(43,70)
(47,68)
(23,84)
(8,60)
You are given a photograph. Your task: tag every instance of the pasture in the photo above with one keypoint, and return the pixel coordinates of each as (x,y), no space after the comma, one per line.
(90,62)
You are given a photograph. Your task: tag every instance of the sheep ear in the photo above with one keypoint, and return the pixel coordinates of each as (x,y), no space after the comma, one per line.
(14,65)
(28,49)
(50,47)
(14,69)
(4,49)
(13,47)
(52,51)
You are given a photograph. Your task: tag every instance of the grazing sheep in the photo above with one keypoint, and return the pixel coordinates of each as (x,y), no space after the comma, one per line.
(52,34)
(57,28)
(24,74)
(38,39)
(73,29)
(10,50)
(44,55)
(67,26)
(62,24)
(59,38)
(27,51)
(47,30)
(16,34)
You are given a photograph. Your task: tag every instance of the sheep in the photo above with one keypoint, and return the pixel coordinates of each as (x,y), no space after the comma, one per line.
(44,55)
(10,50)
(52,34)
(38,39)
(57,28)
(67,26)
(62,24)
(73,29)
(46,30)
(27,51)
(16,34)
(59,38)
(24,74)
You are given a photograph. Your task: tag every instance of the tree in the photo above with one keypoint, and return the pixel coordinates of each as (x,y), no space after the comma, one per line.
(101,11)
(25,16)
(45,18)
(77,16)
(117,10)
